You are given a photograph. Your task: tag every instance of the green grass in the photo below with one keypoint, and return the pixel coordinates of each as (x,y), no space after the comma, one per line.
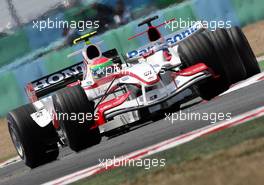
(261,65)
(193,150)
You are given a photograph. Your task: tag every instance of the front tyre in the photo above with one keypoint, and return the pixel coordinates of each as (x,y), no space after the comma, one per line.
(199,48)
(215,49)
(240,42)
(71,102)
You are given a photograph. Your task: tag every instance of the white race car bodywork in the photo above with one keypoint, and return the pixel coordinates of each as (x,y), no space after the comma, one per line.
(159,88)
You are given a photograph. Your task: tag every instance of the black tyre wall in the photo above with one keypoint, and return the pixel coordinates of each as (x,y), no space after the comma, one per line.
(227,55)
(39,143)
(70,101)
(199,48)
(240,42)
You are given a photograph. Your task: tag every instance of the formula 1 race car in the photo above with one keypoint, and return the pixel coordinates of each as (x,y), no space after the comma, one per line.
(76,105)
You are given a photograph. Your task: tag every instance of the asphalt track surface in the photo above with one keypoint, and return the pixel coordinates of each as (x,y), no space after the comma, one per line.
(138,137)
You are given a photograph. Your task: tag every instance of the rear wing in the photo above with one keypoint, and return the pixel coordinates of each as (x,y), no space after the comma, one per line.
(60,79)
(54,81)
(171,40)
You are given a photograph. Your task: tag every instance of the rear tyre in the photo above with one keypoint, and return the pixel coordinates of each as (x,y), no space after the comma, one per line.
(34,144)
(240,42)
(73,101)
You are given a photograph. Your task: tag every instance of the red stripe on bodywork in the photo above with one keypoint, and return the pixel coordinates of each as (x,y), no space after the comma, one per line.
(109,105)
(197,68)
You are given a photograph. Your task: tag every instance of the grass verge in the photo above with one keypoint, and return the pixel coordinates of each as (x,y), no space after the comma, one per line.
(261,64)
(255,36)
(7,149)
(233,156)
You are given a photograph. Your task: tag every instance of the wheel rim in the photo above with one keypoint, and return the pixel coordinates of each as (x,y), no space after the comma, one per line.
(17,143)
(64,133)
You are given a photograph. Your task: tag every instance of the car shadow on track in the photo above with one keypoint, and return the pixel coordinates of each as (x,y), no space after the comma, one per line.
(142,123)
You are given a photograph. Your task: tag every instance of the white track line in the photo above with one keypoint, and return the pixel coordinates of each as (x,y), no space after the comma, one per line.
(165,145)
(247,82)
(10,161)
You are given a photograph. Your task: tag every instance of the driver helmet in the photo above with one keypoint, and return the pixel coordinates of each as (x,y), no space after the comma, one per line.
(101,68)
